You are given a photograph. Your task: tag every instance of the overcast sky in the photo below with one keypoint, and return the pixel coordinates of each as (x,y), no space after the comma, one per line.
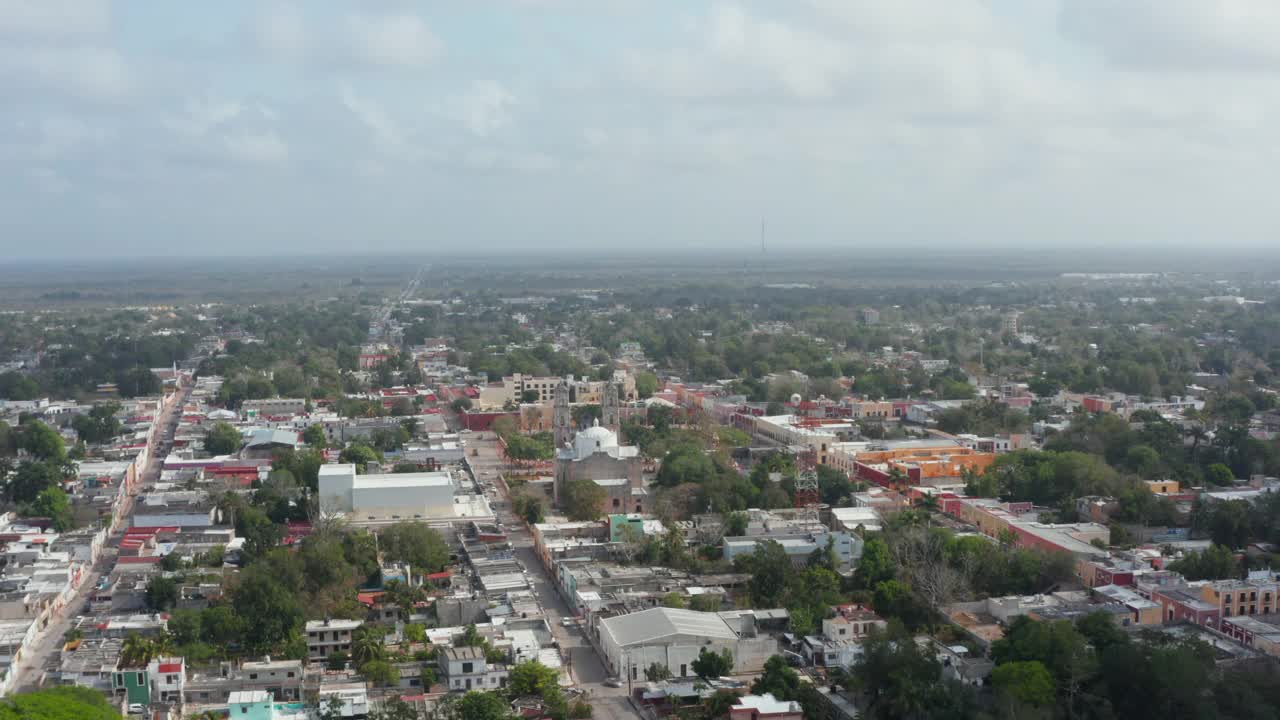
(233,127)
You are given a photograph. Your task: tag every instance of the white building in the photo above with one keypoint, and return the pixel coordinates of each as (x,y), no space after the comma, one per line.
(427,495)
(849,518)
(465,668)
(180,508)
(273,406)
(847,546)
(674,637)
(326,637)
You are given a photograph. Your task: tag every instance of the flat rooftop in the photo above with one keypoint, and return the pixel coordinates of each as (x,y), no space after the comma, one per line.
(405,480)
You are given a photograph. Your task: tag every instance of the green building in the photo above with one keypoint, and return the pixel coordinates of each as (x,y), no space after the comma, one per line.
(134,684)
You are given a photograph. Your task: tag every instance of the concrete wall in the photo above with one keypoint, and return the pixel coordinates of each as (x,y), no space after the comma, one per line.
(749,655)
(456,612)
(430,500)
(335,487)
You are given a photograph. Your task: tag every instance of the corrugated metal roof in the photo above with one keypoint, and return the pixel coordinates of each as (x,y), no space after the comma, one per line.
(658,623)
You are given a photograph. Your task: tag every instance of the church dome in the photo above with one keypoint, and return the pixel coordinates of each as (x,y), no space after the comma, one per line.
(593,440)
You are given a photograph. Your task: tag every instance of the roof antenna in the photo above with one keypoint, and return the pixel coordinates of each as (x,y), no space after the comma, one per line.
(762,254)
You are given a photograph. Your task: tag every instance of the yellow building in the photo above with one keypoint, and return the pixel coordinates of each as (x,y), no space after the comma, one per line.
(1241,597)
(1163,487)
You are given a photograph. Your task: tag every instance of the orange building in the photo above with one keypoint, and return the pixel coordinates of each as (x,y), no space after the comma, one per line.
(920,466)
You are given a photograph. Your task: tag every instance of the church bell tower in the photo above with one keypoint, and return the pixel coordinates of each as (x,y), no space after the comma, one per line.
(561,416)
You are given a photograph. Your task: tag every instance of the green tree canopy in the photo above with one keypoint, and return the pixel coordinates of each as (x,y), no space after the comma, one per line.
(710,664)
(222,439)
(584,500)
(59,703)
(313,435)
(1213,563)
(270,611)
(1025,682)
(476,705)
(161,593)
(43,442)
(52,503)
(646,384)
(416,544)
(359,454)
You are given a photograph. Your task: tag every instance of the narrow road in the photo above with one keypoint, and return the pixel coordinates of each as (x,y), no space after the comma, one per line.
(585,665)
(49,642)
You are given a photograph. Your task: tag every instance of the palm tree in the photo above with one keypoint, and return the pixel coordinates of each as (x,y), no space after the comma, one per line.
(161,645)
(897,478)
(928,506)
(929,503)
(367,645)
(137,650)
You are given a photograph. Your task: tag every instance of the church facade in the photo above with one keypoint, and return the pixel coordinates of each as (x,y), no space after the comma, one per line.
(594,454)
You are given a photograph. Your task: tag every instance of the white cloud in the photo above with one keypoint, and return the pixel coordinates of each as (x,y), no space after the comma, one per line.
(202,115)
(50,181)
(1191,35)
(86,73)
(262,148)
(1003,123)
(806,64)
(394,40)
(485,108)
(386,131)
(54,19)
(737,54)
(59,134)
(281,31)
(915,20)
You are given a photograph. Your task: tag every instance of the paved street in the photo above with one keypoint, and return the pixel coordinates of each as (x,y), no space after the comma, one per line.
(49,642)
(585,665)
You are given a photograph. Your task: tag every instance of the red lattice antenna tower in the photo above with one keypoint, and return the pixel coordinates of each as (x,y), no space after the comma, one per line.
(807,489)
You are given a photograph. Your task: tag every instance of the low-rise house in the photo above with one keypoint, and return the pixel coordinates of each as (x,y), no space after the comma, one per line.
(852,622)
(1260,633)
(184,508)
(1182,603)
(465,668)
(1142,611)
(851,518)
(352,699)
(168,679)
(847,546)
(282,679)
(326,637)
(273,406)
(265,442)
(840,644)
(765,707)
(92,663)
(961,665)
(125,625)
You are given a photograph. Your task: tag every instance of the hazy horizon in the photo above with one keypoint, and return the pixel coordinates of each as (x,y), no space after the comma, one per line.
(599,127)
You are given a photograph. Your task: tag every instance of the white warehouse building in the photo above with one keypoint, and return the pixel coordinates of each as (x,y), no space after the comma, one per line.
(674,637)
(407,496)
